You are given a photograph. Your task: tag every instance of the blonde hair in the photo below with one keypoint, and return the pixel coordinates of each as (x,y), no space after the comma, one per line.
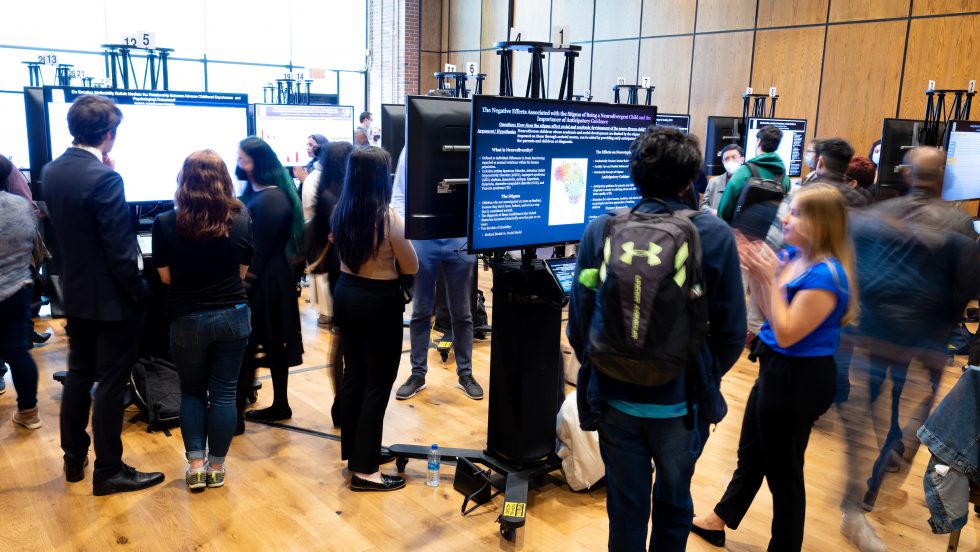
(823,211)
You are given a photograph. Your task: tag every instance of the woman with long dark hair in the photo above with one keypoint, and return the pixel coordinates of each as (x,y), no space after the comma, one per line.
(277,224)
(324,261)
(202,250)
(368,306)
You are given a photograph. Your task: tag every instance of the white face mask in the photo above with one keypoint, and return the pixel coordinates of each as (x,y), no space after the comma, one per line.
(875,157)
(732,166)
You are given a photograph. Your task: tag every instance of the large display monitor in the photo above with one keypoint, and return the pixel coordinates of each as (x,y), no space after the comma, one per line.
(158,131)
(721,131)
(897,137)
(543,169)
(437,167)
(287,127)
(680,122)
(393,129)
(962,180)
(790,147)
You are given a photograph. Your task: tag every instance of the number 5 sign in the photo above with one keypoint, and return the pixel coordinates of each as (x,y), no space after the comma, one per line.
(142,39)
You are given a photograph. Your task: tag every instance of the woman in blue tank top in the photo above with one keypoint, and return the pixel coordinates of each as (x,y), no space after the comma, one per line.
(807,293)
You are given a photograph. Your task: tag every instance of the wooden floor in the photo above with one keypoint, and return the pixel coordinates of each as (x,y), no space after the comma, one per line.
(288,490)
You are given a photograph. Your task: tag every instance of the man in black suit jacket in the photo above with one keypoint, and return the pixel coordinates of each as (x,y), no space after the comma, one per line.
(104,293)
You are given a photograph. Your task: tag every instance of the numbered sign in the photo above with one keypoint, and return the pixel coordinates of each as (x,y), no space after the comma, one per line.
(972,86)
(450,68)
(772,91)
(472,68)
(748,90)
(559,36)
(515,35)
(932,85)
(646,82)
(620,80)
(47,59)
(146,40)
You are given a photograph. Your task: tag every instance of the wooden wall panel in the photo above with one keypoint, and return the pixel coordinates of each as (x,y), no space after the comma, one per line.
(778,13)
(717,86)
(495,24)
(617,19)
(490,64)
(431,35)
(532,18)
(464,29)
(938,7)
(789,59)
(663,17)
(430,63)
(577,15)
(618,60)
(943,49)
(667,61)
(872,86)
(723,15)
(858,10)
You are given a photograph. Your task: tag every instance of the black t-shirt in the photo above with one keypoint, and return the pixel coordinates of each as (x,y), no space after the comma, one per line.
(203,275)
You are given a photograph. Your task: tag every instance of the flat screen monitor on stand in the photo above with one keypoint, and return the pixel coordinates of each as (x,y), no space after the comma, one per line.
(159,130)
(961,181)
(680,122)
(393,129)
(721,131)
(897,137)
(288,127)
(790,148)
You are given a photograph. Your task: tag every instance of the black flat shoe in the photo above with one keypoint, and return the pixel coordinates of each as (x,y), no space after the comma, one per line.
(128,479)
(385,456)
(270,414)
(38,338)
(75,469)
(388,483)
(714,537)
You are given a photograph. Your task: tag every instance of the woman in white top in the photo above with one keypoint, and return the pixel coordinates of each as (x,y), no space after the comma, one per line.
(368,309)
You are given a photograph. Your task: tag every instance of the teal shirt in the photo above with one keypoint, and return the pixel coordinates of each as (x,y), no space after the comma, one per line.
(642,410)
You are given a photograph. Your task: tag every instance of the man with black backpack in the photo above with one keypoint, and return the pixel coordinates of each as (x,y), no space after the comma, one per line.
(767,164)
(656,318)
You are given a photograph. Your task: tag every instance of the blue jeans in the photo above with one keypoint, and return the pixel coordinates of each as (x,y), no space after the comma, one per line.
(627,445)
(208,347)
(457,270)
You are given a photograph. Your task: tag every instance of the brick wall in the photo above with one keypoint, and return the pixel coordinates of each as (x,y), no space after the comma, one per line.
(393,65)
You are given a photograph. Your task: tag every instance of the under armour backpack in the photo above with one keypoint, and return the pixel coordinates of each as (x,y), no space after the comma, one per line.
(758,204)
(651,315)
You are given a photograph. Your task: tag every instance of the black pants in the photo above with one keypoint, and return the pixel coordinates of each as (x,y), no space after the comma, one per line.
(369,315)
(15,343)
(789,395)
(103,352)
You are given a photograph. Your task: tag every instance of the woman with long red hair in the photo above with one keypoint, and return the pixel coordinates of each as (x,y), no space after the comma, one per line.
(202,251)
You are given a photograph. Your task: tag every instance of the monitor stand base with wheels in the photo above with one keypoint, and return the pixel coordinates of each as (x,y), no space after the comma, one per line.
(526,389)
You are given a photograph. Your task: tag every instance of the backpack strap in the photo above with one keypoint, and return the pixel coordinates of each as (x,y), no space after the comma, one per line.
(753,169)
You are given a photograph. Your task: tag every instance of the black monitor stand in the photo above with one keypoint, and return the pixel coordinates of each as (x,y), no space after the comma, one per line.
(525,394)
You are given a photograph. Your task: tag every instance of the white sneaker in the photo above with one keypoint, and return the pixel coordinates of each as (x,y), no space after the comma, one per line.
(862,535)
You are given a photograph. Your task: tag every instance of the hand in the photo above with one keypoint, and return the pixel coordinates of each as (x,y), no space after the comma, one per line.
(108,162)
(756,258)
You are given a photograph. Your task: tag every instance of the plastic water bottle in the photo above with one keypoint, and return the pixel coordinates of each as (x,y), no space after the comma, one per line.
(433,477)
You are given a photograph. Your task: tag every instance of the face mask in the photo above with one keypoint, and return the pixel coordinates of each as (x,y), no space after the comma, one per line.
(875,158)
(732,166)
(809,160)
(240,174)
